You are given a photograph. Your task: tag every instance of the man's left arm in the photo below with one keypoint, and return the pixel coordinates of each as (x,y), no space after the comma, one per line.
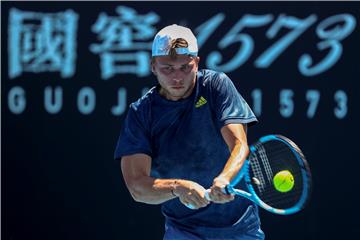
(235,137)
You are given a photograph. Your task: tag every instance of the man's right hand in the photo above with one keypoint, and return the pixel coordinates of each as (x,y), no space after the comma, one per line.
(191,193)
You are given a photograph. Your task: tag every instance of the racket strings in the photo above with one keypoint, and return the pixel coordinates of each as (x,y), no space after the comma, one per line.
(271,158)
(265,160)
(256,168)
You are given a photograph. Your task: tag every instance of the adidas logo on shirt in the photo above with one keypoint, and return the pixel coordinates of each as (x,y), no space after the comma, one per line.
(200,102)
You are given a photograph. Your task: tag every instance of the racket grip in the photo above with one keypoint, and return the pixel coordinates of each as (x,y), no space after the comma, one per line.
(207,196)
(190,206)
(226,190)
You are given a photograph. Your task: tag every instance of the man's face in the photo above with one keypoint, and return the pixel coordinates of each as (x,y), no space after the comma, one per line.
(177,76)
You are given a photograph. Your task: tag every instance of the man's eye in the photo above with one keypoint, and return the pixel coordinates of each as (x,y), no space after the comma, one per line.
(185,67)
(167,69)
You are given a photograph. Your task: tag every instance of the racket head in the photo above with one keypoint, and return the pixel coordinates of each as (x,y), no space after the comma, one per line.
(270,155)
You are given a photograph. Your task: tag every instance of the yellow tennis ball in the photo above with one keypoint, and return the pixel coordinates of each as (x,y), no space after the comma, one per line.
(283,181)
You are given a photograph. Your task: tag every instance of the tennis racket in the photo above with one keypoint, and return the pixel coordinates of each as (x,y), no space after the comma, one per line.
(276,175)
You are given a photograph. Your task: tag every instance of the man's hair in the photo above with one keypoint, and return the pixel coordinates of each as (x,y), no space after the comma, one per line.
(177,43)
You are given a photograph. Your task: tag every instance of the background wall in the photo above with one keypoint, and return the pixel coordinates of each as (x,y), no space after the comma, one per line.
(70,69)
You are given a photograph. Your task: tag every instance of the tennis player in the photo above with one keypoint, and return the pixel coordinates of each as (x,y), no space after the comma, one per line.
(186,135)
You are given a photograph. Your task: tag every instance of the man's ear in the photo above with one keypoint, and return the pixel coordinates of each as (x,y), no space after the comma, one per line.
(153,70)
(197,60)
(152,66)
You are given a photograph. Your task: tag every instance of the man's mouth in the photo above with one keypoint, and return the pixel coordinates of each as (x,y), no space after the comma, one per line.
(177,87)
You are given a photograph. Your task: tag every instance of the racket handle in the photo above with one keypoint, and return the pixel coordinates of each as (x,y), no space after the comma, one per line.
(224,190)
(207,194)
(190,206)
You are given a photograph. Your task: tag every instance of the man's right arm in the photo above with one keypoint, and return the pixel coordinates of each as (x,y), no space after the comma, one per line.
(144,188)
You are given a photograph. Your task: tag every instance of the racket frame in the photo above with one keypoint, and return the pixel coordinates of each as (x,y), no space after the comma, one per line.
(251,195)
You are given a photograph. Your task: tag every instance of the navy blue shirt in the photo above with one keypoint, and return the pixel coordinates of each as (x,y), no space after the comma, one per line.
(183,139)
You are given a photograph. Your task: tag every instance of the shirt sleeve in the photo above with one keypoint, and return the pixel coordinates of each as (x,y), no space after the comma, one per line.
(134,137)
(229,105)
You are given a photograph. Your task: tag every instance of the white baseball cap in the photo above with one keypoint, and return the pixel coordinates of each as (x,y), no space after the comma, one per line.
(162,41)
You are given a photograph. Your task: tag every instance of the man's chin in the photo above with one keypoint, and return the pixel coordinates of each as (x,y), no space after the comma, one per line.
(177,96)
(177,92)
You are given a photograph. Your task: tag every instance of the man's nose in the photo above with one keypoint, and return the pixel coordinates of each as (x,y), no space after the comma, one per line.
(178,75)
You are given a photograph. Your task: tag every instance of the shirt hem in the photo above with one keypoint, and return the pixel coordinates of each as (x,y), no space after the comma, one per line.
(249,121)
(119,156)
